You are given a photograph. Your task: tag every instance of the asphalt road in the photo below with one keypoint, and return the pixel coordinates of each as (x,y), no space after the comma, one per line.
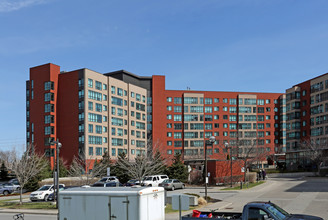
(307,195)
(297,195)
(9,216)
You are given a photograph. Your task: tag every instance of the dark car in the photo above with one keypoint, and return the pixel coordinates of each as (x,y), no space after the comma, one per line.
(110,184)
(51,197)
(132,182)
(172,184)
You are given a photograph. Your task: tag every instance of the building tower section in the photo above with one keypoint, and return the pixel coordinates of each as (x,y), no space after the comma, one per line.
(91,114)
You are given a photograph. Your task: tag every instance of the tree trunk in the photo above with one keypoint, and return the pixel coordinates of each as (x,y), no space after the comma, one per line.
(20,195)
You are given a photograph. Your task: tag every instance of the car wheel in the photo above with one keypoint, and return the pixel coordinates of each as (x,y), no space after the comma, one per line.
(172,188)
(18,189)
(46,197)
(150,185)
(183,186)
(5,192)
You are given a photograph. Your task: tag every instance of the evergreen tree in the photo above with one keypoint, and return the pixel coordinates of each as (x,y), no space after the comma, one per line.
(120,173)
(63,171)
(46,172)
(178,170)
(4,171)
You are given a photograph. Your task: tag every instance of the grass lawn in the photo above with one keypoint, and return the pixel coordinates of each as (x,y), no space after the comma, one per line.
(250,185)
(14,204)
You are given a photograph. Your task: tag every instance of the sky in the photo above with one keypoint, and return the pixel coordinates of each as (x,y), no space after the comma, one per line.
(210,45)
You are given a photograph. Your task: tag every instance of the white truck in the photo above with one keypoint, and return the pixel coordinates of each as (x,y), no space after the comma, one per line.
(114,203)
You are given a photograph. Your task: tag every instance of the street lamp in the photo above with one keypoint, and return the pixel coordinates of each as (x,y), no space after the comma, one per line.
(209,142)
(56,171)
(227,146)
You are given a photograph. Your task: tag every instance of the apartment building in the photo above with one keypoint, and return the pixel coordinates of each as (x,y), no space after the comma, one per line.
(88,112)
(184,119)
(307,118)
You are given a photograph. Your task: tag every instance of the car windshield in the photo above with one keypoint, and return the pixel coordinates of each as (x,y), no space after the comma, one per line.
(103,179)
(44,188)
(278,212)
(167,181)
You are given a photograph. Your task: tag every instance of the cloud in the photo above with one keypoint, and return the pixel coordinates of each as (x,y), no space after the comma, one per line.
(14,5)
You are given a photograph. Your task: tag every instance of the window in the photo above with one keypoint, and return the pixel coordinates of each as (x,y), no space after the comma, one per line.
(47,85)
(169,99)
(190,100)
(49,130)
(225,100)
(177,108)
(208,101)
(119,91)
(49,97)
(98,107)
(94,95)
(169,108)
(90,151)
(233,101)
(49,108)
(98,85)
(90,83)
(90,128)
(177,100)
(49,119)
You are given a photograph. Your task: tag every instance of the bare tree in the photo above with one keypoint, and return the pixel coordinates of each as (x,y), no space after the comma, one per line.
(252,154)
(27,167)
(144,164)
(87,169)
(316,153)
(8,157)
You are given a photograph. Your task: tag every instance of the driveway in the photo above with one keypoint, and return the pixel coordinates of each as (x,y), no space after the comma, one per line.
(303,195)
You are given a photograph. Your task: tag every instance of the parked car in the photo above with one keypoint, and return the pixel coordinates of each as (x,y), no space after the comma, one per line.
(51,197)
(172,184)
(5,190)
(43,192)
(15,183)
(109,179)
(12,186)
(153,180)
(109,184)
(132,182)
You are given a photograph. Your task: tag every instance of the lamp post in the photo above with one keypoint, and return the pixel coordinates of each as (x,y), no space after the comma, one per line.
(227,146)
(56,171)
(209,142)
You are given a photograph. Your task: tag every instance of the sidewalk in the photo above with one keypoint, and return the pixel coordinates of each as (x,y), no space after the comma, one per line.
(31,211)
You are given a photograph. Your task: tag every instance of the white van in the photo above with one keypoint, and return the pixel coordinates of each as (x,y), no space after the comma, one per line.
(153,180)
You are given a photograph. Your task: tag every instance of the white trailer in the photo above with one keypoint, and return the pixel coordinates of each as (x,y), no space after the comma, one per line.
(112,203)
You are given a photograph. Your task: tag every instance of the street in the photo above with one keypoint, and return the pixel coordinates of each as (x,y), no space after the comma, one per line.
(307,195)
(296,195)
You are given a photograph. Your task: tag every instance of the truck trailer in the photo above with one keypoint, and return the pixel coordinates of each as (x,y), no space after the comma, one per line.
(112,203)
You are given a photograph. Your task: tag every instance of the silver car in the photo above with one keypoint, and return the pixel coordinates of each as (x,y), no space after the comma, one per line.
(172,184)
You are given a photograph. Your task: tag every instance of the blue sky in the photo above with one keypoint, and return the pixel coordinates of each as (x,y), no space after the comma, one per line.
(219,45)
